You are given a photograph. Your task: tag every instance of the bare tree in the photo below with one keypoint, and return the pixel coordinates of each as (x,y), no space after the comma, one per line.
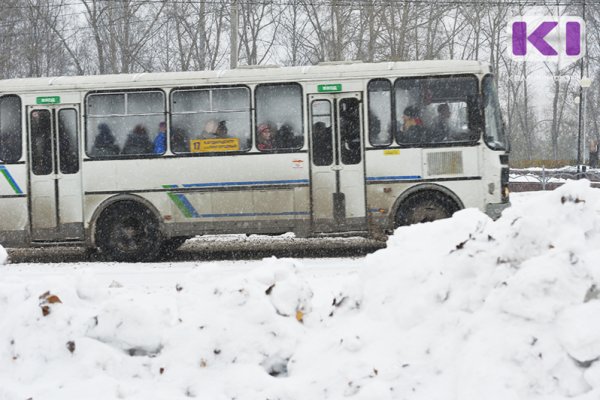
(395,17)
(334,30)
(95,14)
(259,28)
(121,31)
(294,27)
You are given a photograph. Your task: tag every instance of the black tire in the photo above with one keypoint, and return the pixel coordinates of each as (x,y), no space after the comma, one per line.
(91,254)
(127,231)
(169,246)
(425,207)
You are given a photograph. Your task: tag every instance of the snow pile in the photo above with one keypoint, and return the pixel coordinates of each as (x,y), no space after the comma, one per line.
(219,340)
(3,256)
(464,308)
(504,310)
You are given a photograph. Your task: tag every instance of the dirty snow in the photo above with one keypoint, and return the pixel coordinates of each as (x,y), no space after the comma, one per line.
(464,308)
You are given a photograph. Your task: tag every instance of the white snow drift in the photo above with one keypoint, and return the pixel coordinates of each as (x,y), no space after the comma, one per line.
(464,308)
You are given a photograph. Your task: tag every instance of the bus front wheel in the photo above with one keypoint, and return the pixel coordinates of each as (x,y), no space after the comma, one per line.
(424,207)
(128,231)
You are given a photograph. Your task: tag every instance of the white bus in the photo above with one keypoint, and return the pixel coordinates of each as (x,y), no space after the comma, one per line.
(135,164)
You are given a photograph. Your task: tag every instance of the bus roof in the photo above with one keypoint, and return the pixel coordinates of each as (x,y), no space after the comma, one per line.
(247,74)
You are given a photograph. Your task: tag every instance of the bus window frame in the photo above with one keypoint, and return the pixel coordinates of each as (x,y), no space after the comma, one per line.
(22,125)
(332,138)
(393,107)
(50,167)
(471,118)
(254,127)
(77,140)
(506,147)
(120,91)
(208,87)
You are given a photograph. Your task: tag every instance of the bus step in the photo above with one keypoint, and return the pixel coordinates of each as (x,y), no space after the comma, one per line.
(64,243)
(343,234)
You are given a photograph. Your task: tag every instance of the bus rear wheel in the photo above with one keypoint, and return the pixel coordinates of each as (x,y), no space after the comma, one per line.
(425,207)
(128,231)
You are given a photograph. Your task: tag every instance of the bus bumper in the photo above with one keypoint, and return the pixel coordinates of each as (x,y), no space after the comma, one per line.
(493,210)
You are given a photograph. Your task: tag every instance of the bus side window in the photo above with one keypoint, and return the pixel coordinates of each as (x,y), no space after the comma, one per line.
(68,143)
(280,107)
(349,117)
(121,113)
(322,135)
(11,148)
(200,115)
(380,112)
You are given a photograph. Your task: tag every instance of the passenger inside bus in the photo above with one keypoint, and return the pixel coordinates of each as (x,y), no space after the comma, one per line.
(104,143)
(138,142)
(179,140)
(285,137)
(413,130)
(441,127)
(222,131)
(210,129)
(322,147)
(375,128)
(264,140)
(160,141)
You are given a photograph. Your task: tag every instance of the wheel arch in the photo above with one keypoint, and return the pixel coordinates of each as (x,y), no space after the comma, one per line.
(419,190)
(107,203)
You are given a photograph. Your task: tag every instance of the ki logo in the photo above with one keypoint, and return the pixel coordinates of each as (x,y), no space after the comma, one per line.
(544,38)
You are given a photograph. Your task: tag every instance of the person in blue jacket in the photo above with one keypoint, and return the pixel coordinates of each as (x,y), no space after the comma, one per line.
(160,141)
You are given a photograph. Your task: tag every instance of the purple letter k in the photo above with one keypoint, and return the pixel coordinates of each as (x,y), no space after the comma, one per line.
(520,38)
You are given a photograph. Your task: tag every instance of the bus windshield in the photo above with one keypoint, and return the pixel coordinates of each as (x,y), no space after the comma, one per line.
(495,136)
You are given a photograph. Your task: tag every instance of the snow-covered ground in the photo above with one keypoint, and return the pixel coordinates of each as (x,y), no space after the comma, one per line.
(464,308)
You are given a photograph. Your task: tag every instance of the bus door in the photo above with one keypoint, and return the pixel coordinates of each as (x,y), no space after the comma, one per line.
(337,162)
(55,202)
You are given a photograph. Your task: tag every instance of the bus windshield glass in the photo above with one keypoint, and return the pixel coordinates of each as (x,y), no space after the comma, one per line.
(494,136)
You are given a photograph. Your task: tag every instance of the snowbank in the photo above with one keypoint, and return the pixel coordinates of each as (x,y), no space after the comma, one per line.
(464,308)
(3,255)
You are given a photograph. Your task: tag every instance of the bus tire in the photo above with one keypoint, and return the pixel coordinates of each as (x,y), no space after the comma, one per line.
(128,231)
(424,207)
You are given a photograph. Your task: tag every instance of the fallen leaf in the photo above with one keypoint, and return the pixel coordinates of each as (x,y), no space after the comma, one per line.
(53,299)
(46,299)
(71,346)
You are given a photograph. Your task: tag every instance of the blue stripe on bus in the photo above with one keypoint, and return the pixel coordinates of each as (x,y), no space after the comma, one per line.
(394,178)
(253,214)
(11,181)
(193,213)
(248,183)
(186,203)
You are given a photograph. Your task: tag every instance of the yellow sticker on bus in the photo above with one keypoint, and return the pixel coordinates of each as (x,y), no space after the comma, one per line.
(391,152)
(214,145)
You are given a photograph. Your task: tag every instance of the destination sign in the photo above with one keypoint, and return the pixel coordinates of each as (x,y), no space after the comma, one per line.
(330,87)
(47,100)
